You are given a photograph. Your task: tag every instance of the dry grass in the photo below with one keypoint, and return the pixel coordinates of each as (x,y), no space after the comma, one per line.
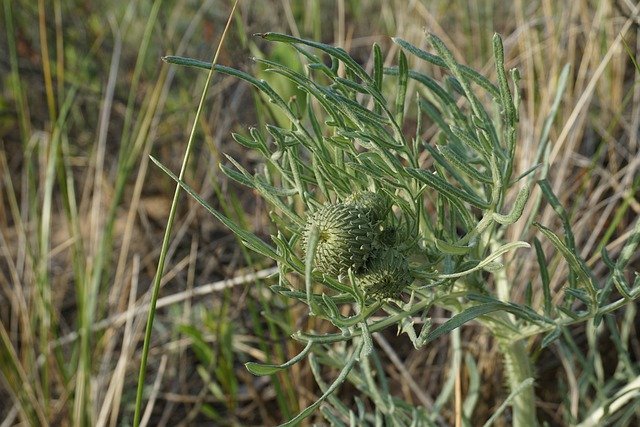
(82,211)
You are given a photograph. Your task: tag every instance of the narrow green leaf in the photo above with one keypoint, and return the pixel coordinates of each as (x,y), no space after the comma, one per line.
(238,177)
(452,193)
(443,98)
(338,381)
(452,248)
(249,143)
(378,66)
(579,294)
(249,239)
(260,369)
(367,348)
(335,52)
(462,318)
(401,87)
(516,211)
(521,312)
(488,260)
(576,264)
(482,119)
(473,142)
(433,59)
(551,337)
(548,194)
(630,247)
(463,165)
(528,294)
(442,162)
(332,308)
(187,62)
(503,86)
(544,276)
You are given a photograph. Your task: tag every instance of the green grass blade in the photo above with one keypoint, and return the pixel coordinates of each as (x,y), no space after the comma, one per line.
(166,238)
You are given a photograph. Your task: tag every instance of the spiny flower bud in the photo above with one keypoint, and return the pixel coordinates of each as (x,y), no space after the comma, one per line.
(386,274)
(388,236)
(377,204)
(346,238)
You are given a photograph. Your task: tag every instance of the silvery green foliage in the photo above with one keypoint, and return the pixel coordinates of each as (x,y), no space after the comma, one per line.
(357,203)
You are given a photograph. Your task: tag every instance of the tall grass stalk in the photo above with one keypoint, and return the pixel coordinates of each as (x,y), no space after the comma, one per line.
(167,234)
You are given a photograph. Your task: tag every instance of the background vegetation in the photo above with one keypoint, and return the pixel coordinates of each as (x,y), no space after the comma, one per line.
(85,99)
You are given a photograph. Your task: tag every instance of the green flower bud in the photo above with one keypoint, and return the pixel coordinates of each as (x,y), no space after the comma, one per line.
(388,236)
(377,204)
(386,274)
(346,238)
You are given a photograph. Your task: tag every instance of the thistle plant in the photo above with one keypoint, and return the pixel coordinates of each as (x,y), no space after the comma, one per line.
(377,222)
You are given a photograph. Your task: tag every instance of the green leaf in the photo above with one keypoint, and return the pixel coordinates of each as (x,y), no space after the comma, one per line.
(335,52)
(576,264)
(544,276)
(249,239)
(187,62)
(433,59)
(452,248)
(451,193)
(520,311)
(441,162)
(260,369)
(463,164)
(403,77)
(505,94)
(548,194)
(551,337)
(488,260)
(516,212)
(351,361)
(481,117)
(630,247)
(462,318)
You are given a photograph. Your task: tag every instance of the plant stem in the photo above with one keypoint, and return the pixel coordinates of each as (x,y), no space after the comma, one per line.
(518,369)
(516,359)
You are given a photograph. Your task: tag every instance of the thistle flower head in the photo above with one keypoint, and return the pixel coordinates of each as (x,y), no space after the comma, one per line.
(346,238)
(377,204)
(386,274)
